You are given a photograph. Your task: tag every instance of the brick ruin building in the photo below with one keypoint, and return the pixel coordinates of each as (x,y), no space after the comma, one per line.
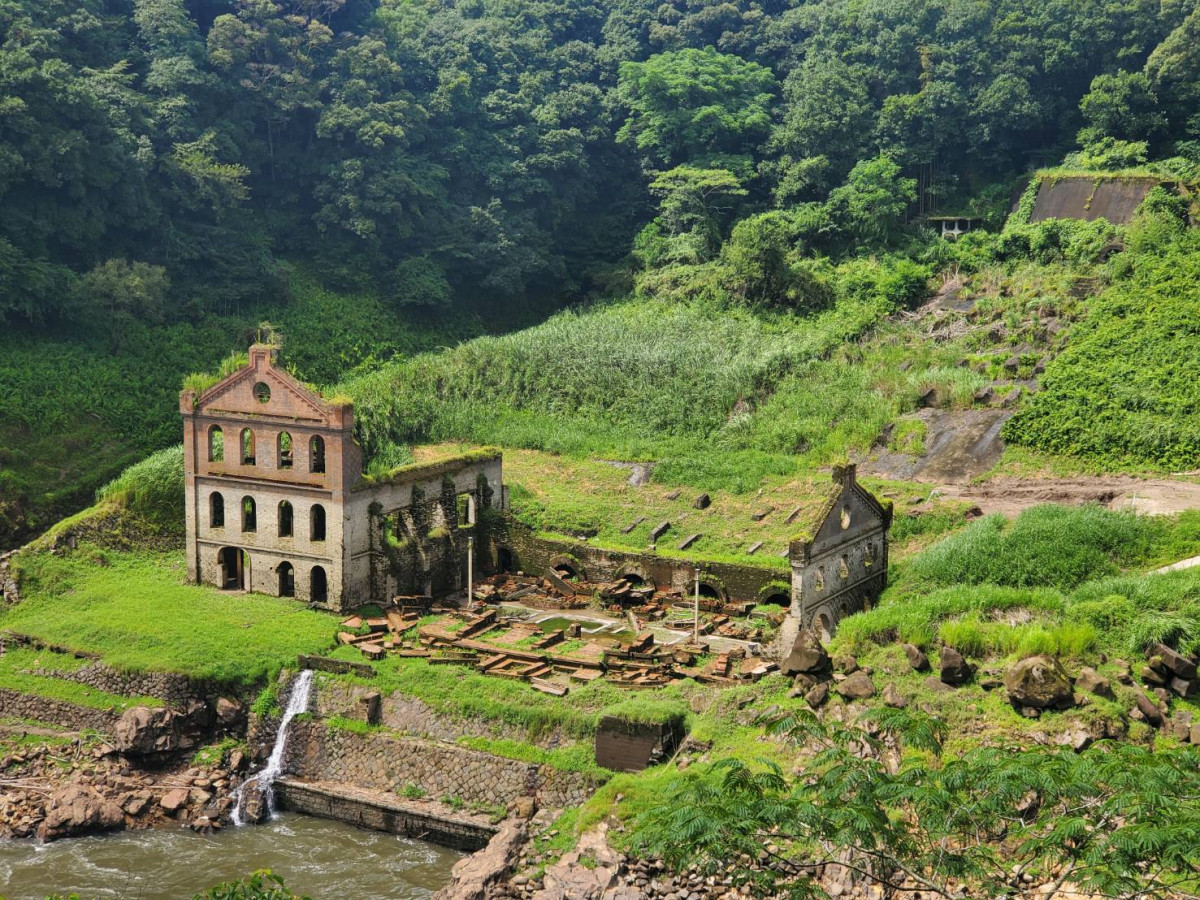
(276,500)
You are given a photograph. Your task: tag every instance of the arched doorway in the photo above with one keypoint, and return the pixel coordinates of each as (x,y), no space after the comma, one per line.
(287,580)
(823,627)
(504,560)
(318,585)
(566,571)
(710,592)
(234,569)
(778,598)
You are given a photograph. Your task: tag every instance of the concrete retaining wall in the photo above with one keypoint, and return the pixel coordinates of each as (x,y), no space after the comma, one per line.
(381,813)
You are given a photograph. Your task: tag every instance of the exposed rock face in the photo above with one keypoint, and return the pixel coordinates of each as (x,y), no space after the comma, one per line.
(77,809)
(916,658)
(143,731)
(473,875)
(1039,682)
(230,713)
(569,879)
(857,686)
(807,656)
(1092,682)
(955,669)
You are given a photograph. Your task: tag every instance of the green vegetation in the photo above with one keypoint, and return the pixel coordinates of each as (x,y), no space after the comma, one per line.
(214,755)
(134,610)
(17,673)
(574,758)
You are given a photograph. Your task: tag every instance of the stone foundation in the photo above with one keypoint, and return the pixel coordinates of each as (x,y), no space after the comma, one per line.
(379,812)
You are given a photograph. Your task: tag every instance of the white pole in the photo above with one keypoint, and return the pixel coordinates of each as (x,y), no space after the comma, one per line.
(696,612)
(470,570)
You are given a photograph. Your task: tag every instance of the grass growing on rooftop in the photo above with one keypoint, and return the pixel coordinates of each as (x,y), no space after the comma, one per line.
(136,612)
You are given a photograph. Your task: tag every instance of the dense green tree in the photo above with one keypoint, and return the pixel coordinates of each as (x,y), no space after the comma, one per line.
(1120,106)
(693,206)
(872,203)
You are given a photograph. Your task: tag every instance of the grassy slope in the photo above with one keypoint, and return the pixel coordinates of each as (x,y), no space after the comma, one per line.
(135,611)
(73,413)
(18,669)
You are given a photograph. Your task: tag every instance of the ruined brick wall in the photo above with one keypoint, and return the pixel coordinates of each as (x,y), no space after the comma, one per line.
(536,555)
(274,411)
(408,533)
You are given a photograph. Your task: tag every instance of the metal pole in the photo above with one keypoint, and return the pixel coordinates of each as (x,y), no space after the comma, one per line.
(696,612)
(470,571)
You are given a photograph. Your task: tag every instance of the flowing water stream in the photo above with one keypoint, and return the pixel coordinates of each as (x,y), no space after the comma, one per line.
(264,779)
(323,859)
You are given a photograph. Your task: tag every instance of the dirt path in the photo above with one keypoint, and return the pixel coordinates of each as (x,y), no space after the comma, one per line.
(1011,495)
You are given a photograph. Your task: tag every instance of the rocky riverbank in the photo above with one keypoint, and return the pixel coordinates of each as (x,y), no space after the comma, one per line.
(55,789)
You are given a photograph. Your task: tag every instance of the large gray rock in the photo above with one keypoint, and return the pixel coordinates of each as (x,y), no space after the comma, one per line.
(78,809)
(954,669)
(916,658)
(144,731)
(857,686)
(893,698)
(807,656)
(474,875)
(1039,682)
(1180,666)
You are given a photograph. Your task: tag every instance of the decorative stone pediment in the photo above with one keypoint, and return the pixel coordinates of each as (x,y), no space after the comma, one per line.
(262,389)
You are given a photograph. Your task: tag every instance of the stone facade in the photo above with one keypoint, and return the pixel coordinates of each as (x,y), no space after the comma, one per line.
(380,761)
(276,500)
(839,563)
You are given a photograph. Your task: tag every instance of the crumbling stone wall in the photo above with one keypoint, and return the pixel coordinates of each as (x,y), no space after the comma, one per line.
(176,690)
(14,704)
(381,761)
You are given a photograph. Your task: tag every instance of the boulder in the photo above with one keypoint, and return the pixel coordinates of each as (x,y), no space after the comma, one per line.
(935,684)
(144,731)
(1040,682)
(1092,682)
(916,658)
(230,713)
(1180,666)
(857,686)
(473,876)
(807,656)
(816,697)
(1149,710)
(78,809)
(893,698)
(846,664)
(173,801)
(955,669)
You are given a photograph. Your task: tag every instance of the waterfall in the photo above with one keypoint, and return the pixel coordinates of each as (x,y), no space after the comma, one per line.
(265,778)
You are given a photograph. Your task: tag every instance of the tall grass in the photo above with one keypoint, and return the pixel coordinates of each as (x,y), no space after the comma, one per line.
(1046,546)
(152,488)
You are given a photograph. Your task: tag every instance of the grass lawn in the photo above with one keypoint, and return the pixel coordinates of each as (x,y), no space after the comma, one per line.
(566,496)
(135,610)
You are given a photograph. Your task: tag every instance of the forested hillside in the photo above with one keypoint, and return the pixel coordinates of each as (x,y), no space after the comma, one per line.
(382,177)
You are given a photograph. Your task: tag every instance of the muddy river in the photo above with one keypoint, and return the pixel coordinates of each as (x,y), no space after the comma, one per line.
(317,857)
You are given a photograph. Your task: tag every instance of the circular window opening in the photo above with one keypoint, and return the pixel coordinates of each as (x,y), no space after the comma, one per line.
(262,392)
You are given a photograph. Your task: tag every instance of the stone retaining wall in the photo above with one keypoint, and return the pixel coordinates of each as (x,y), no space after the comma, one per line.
(176,690)
(382,761)
(410,716)
(381,813)
(14,704)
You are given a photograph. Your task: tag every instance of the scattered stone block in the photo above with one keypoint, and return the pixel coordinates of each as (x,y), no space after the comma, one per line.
(1185,688)
(688,541)
(175,800)
(1039,681)
(1194,733)
(659,530)
(1149,710)
(807,656)
(846,664)
(762,514)
(1152,676)
(632,525)
(935,684)
(702,502)
(857,686)
(1092,682)
(893,698)
(754,548)
(955,669)
(917,660)
(1179,665)
(817,695)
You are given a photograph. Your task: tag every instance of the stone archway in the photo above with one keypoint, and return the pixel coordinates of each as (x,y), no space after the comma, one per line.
(234,569)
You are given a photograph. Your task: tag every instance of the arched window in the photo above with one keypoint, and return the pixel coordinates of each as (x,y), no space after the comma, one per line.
(316,523)
(287,580)
(249,515)
(318,585)
(285,519)
(316,450)
(216,510)
(216,444)
(284,450)
(247,447)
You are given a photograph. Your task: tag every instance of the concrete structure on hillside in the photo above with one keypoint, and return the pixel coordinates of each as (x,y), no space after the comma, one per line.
(276,500)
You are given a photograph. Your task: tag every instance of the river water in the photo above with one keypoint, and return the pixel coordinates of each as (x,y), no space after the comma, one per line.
(317,857)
